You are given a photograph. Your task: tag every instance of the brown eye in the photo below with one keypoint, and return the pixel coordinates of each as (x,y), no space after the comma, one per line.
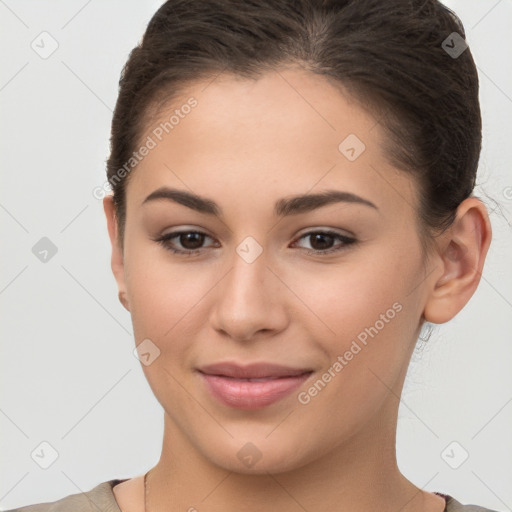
(188,242)
(322,242)
(191,240)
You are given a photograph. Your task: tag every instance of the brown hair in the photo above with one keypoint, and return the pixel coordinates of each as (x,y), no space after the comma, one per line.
(392,56)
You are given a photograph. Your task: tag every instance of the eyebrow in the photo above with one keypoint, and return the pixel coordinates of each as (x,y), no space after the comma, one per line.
(283,207)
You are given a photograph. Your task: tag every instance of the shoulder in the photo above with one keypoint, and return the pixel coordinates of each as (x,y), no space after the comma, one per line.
(98,499)
(452,505)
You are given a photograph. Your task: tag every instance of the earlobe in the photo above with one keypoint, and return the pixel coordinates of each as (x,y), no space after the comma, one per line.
(117,259)
(123,300)
(461,254)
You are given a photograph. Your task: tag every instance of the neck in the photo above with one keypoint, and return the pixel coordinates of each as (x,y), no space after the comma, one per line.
(359,475)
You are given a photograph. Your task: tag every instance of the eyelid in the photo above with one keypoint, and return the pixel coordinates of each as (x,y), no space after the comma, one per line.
(325,229)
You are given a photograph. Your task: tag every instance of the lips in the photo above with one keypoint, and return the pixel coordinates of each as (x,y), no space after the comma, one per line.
(252,371)
(252,386)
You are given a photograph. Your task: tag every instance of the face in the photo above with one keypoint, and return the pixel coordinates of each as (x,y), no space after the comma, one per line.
(330,291)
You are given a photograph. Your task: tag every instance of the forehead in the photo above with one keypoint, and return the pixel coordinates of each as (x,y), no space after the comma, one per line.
(288,131)
(299,105)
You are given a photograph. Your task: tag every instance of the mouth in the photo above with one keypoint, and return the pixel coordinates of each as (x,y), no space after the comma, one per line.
(262,379)
(252,371)
(251,387)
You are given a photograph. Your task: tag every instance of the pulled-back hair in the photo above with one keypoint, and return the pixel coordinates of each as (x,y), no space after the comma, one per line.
(392,57)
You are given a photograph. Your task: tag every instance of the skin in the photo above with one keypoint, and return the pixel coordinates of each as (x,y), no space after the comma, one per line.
(246,145)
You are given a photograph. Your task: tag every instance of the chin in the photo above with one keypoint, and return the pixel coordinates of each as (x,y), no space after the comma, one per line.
(258,457)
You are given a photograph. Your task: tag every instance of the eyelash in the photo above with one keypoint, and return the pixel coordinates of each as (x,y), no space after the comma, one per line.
(347,241)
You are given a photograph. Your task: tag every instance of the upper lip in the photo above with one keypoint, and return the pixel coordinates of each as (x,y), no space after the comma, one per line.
(252,371)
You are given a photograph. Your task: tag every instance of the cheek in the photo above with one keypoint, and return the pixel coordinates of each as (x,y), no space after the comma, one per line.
(366,314)
(166,309)
(365,358)
(163,301)
(348,297)
(161,294)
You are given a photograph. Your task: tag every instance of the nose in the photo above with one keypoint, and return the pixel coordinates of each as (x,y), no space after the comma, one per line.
(249,301)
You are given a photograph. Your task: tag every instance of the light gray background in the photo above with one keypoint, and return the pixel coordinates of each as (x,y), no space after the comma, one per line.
(69,376)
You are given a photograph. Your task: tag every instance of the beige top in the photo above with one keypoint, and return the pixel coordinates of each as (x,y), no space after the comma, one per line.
(101,498)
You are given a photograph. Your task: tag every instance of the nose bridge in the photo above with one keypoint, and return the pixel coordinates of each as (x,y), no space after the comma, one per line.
(247,299)
(247,281)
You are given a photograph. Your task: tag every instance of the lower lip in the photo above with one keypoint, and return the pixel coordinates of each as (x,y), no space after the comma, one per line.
(246,394)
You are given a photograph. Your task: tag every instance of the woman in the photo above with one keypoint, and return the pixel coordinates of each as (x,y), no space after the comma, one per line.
(292,202)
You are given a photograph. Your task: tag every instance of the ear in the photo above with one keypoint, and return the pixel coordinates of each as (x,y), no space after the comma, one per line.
(461,252)
(117,259)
